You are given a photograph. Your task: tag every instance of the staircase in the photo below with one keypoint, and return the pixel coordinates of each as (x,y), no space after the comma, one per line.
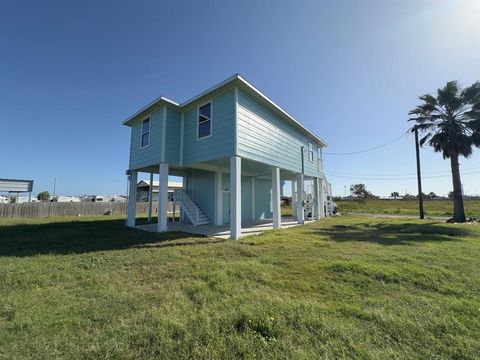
(192,210)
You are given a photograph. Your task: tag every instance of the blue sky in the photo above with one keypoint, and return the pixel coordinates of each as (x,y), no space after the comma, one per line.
(71,71)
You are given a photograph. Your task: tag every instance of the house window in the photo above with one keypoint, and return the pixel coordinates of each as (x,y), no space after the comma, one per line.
(310,151)
(204,121)
(145,132)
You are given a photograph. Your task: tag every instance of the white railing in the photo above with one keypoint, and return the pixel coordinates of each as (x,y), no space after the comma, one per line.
(181,197)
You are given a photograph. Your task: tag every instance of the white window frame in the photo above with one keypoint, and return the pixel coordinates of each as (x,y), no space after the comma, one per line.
(149,118)
(211,120)
(311,156)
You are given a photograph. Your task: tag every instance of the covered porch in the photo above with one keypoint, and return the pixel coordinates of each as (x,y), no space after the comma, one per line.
(228,197)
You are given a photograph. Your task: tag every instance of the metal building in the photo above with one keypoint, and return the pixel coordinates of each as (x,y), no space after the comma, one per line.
(16,186)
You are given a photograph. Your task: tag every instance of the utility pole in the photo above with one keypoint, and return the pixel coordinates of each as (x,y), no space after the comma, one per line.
(419,177)
(345,188)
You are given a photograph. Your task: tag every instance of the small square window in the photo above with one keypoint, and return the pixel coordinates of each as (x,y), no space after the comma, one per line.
(145,133)
(310,151)
(204,121)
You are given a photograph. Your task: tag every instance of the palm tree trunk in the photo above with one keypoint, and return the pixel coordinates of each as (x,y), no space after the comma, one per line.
(458,210)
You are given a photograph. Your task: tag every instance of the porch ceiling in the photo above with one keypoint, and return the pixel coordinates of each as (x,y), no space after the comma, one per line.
(249,168)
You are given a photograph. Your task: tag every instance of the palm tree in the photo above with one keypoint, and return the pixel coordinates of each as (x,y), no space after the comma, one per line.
(395,194)
(450,123)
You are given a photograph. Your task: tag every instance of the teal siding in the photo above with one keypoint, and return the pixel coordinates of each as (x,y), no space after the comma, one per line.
(200,186)
(221,143)
(172,148)
(264,136)
(151,154)
(263,199)
(201,189)
(246,199)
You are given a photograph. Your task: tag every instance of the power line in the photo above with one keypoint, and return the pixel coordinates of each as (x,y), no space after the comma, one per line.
(398,178)
(341,173)
(369,149)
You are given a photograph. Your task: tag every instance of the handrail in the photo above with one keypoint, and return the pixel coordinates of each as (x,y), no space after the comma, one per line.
(179,195)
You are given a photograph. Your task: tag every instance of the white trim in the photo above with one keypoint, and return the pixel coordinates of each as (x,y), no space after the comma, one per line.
(182,131)
(218,198)
(235,197)
(244,82)
(321,198)
(300,188)
(235,119)
(164,134)
(311,152)
(276,214)
(132,199)
(294,198)
(149,118)
(154,102)
(162,198)
(211,119)
(259,93)
(150,198)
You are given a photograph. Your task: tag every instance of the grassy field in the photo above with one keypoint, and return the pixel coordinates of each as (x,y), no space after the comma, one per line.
(345,287)
(407,207)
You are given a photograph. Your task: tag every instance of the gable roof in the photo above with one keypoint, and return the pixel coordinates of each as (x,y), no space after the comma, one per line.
(236,79)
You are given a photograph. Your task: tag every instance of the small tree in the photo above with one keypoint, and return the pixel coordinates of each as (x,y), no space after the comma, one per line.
(43,196)
(395,194)
(360,191)
(432,195)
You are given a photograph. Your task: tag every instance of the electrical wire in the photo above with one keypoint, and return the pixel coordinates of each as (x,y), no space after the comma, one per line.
(398,178)
(341,173)
(369,149)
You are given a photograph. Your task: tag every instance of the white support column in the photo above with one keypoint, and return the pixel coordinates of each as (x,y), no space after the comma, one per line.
(321,198)
(235,197)
(132,199)
(277,220)
(316,199)
(294,199)
(300,199)
(218,199)
(149,213)
(162,198)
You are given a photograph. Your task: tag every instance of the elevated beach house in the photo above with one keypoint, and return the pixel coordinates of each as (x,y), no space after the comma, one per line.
(234,148)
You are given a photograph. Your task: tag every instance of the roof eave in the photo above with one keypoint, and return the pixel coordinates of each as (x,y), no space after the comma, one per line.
(157,101)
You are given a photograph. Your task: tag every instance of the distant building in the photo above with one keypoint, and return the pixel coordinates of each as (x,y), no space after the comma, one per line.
(15,186)
(143,187)
(102,198)
(69,199)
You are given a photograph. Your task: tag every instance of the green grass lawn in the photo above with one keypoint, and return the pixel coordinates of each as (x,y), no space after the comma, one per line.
(344,287)
(407,207)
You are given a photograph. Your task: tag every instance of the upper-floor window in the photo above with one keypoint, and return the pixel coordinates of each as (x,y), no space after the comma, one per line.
(145,132)
(319,153)
(204,121)
(310,151)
